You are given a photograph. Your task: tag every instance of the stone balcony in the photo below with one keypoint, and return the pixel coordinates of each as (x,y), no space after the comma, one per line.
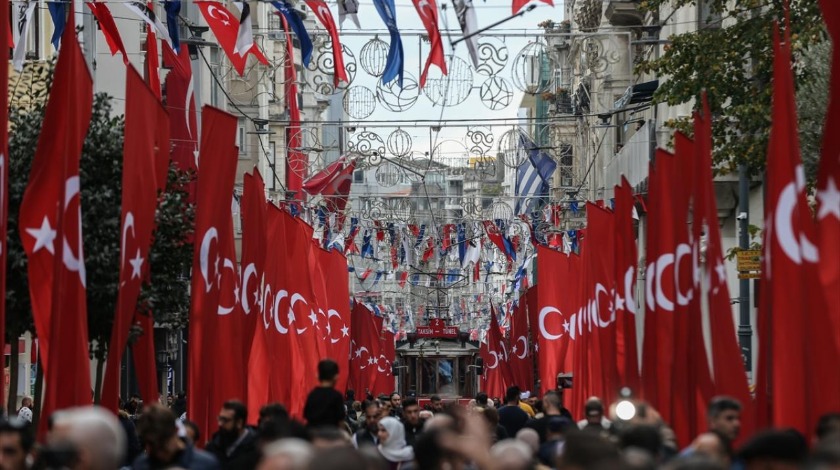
(623,13)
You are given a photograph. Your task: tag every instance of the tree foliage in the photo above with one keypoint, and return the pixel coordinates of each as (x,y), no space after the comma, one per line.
(101,180)
(732,58)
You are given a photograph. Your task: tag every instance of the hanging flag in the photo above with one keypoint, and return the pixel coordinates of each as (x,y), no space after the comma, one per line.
(5,45)
(469,25)
(215,185)
(139,200)
(366,348)
(58,13)
(145,359)
(348,8)
(24,21)
(245,34)
(518,4)
(428,11)
(626,303)
(828,175)
(51,229)
(298,27)
(226,29)
(322,11)
(147,14)
(395,63)
(180,103)
(252,267)
(798,345)
(108,27)
(296,161)
(533,177)
(153,63)
(497,375)
(521,361)
(333,184)
(173,9)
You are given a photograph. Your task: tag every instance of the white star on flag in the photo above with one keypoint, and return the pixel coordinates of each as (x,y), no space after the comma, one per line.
(313,318)
(345,331)
(136,265)
(291,317)
(566,325)
(44,236)
(829,200)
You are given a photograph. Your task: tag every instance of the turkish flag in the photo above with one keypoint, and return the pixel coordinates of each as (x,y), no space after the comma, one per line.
(180,102)
(139,200)
(521,361)
(365,348)
(334,310)
(828,175)
(5,45)
(108,27)
(296,164)
(322,11)
(212,226)
(225,27)
(626,303)
(275,307)
(152,64)
(497,375)
(254,230)
(730,377)
(797,339)
(387,353)
(145,360)
(557,299)
(428,11)
(518,4)
(51,231)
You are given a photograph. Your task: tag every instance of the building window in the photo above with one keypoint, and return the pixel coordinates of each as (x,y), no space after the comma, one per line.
(359,176)
(707,16)
(241,138)
(216,70)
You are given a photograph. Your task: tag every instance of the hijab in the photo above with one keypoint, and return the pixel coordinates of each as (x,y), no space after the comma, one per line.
(395,448)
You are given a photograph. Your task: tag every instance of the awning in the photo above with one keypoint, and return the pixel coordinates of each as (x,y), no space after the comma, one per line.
(638,93)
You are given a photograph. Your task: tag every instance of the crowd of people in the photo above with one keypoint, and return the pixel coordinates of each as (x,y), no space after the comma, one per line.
(520,432)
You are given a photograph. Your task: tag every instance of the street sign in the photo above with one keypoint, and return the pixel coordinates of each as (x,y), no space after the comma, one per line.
(437,328)
(749,275)
(749,260)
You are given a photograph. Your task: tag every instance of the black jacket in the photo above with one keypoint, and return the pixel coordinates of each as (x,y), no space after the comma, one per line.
(191,459)
(244,456)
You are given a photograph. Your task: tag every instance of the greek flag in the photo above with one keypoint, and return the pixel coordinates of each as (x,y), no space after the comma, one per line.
(533,176)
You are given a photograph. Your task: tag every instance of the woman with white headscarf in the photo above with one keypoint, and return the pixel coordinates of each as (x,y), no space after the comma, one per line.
(392,445)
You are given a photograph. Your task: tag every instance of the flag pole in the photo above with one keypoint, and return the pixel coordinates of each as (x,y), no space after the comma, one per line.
(502,21)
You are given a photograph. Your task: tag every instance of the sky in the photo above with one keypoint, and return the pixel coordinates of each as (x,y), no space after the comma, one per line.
(514,35)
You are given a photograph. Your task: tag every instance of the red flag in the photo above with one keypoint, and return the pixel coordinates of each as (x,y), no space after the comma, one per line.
(403,277)
(333,184)
(558,274)
(496,237)
(626,304)
(152,62)
(225,27)
(797,344)
(180,102)
(5,45)
(497,375)
(145,361)
(518,4)
(365,348)
(729,375)
(336,310)
(215,187)
(387,353)
(275,304)
(108,27)
(51,230)
(828,177)
(296,164)
(139,198)
(322,11)
(521,362)
(253,249)
(428,11)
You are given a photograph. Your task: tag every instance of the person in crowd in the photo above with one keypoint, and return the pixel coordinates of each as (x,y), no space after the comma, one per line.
(287,454)
(396,405)
(25,411)
(17,440)
(329,437)
(384,407)
(481,399)
(235,443)
(530,438)
(338,458)
(497,431)
(714,446)
(349,398)
(163,448)
(593,411)
(90,438)
(552,406)
(392,444)
(179,406)
(776,449)
(512,454)
(536,404)
(426,415)
(828,429)
(523,403)
(584,451)
(646,437)
(555,434)
(132,449)
(367,435)
(436,404)
(325,405)
(275,423)
(511,416)
(192,432)
(411,420)
(724,416)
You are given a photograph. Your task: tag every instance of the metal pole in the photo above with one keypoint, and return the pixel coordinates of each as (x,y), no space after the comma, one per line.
(744,327)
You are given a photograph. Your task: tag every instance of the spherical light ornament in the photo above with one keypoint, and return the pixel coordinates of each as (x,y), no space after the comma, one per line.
(374,56)
(450,89)
(388,174)
(496,93)
(319,73)
(530,69)
(395,98)
(512,152)
(399,143)
(359,102)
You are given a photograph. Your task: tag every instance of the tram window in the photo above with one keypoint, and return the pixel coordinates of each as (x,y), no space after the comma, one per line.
(446,374)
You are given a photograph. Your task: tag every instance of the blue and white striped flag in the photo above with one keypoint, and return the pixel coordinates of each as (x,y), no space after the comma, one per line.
(533,176)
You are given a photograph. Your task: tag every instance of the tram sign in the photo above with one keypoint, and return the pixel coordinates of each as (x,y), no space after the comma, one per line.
(437,328)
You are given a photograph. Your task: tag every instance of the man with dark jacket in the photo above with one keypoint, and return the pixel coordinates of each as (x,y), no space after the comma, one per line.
(411,420)
(163,448)
(552,406)
(234,444)
(367,434)
(511,416)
